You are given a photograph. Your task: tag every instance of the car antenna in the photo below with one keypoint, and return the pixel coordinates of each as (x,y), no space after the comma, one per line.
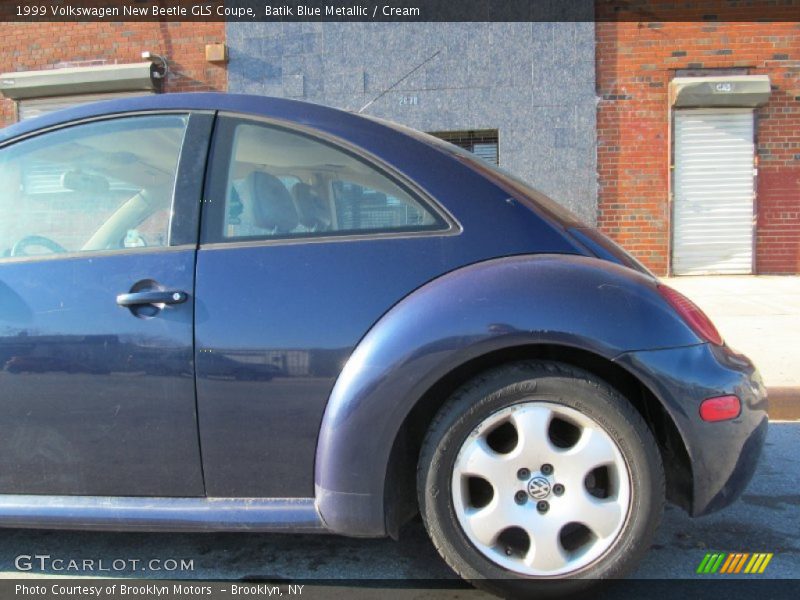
(399,81)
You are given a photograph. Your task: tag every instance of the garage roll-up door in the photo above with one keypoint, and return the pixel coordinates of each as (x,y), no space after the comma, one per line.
(34,107)
(713,192)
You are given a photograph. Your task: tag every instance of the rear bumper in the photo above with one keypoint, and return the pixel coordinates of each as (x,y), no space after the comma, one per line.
(723,455)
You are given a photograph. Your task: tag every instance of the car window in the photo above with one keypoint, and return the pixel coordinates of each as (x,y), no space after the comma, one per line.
(284,184)
(91,187)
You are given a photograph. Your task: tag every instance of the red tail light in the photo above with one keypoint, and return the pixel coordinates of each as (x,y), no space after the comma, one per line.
(722,408)
(691,313)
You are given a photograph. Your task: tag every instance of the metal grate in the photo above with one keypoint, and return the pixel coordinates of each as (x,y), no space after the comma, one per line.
(481,142)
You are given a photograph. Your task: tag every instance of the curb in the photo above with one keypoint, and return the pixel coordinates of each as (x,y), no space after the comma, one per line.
(784,403)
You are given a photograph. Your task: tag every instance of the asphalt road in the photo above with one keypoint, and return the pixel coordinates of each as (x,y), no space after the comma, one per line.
(766,519)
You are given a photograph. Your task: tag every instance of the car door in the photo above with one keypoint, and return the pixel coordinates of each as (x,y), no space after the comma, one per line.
(305,244)
(98,227)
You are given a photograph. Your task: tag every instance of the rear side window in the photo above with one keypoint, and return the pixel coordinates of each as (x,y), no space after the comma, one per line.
(98,186)
(272,183)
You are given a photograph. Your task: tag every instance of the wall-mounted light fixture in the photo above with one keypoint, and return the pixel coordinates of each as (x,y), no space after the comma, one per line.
(160,64)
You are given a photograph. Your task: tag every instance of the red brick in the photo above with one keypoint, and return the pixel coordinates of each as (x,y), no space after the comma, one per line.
(633,134)
(45,45)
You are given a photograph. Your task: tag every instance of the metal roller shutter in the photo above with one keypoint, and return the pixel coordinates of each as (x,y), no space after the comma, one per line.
(41,106)
(713,192)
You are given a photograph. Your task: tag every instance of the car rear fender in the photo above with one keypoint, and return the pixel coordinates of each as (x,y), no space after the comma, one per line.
(566,300)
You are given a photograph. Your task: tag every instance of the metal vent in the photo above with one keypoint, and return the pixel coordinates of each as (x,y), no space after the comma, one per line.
(481,142)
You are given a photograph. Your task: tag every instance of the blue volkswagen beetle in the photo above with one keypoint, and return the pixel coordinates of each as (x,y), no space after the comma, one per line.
(224,312)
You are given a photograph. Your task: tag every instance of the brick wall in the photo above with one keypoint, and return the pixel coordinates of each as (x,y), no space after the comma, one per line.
(30,46)
(635,63)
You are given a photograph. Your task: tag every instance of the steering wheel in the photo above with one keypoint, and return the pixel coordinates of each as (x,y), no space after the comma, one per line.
(36,240)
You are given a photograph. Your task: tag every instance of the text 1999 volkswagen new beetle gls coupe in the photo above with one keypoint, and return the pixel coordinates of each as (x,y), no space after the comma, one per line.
(224,312)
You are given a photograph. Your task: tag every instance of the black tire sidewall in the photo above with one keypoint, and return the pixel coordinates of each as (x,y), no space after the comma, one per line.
(558,384)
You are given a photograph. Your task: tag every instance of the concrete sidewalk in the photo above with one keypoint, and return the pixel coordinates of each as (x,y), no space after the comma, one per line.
(759,316)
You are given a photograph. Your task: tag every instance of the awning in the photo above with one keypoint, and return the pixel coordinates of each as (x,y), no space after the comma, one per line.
(78,80)
(740,91)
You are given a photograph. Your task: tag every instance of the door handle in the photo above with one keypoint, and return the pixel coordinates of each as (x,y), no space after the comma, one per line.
(151,297)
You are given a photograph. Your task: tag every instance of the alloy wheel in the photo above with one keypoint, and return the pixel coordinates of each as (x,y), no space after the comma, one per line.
(541,489)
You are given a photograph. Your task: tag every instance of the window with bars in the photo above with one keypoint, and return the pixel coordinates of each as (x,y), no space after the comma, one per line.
(481,142)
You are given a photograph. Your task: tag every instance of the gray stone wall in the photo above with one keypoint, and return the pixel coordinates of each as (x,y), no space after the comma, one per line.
(533,82)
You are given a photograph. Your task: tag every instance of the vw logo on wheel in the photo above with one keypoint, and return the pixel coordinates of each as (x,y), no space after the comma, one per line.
(539,488)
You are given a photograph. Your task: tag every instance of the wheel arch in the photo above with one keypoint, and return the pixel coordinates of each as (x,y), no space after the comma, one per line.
(448,329)
(400,497)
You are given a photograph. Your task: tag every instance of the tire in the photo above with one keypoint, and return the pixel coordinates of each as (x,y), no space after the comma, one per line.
(590,457)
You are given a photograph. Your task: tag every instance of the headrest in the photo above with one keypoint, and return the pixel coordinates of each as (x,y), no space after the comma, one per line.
(310,206)
(270,202)
(302,191)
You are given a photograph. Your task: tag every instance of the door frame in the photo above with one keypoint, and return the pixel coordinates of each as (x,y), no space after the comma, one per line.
(183,227)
